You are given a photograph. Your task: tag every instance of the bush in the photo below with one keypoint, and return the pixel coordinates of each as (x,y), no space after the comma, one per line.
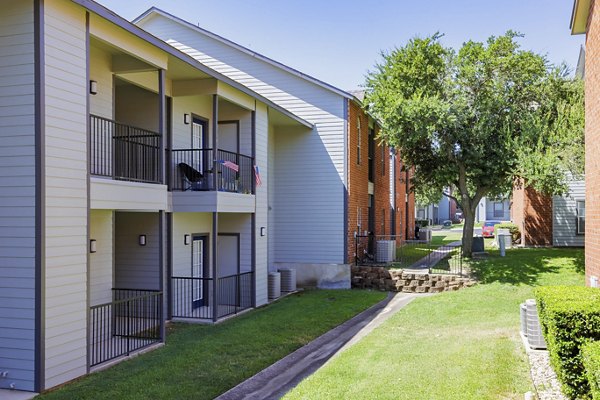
(512,228)
(422,223)
(570,317)
(590,354)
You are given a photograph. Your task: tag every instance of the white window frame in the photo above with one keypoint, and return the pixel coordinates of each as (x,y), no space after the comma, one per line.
(580,210)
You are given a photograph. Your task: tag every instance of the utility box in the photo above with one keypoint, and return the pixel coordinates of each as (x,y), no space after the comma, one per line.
(478,244)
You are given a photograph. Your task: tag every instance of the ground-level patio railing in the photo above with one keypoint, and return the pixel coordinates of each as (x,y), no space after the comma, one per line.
(195,297)
(395,252)
(132,321)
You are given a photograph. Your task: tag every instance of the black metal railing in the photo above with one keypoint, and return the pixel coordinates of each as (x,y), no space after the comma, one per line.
(194,169)
(395,252)
(132,321)
(124,152)
(195,297)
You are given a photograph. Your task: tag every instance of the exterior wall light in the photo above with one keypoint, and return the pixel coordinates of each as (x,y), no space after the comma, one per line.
(142,240)
(186,240)
(92,245)
(93,87)
(186,119)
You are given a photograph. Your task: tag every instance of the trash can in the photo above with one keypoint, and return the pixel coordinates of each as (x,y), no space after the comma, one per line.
(478,244)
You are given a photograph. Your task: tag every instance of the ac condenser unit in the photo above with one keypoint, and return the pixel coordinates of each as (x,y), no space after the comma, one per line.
(288,279)
(385,251)
(534,329)
(274,284)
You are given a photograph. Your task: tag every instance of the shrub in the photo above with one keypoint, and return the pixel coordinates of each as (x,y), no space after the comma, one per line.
(512,228)
(570,317)
(590,355)
(422,222)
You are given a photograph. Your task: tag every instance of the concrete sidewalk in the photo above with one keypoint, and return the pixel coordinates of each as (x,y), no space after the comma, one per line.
(276,380)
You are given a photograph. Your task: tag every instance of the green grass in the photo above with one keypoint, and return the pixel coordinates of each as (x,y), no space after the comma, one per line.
(202,361)
(455,345)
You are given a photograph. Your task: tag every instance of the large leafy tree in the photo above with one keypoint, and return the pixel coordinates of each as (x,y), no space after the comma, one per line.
(478,119)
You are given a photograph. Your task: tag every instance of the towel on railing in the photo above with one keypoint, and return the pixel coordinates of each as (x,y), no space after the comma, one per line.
(230,165)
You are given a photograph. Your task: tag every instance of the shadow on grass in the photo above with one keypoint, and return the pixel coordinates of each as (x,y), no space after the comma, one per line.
(526,266)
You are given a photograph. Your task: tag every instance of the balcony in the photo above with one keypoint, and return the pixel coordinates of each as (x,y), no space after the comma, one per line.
(124,152)
(195,169)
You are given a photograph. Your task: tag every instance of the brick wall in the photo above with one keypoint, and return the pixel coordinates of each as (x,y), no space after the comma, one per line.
(592,143)
(531,211)
(358,176)
(358,184)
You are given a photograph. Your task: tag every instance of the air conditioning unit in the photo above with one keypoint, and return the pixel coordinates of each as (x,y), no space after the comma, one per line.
(288,279)
(425,234)
(523,312)
(386,250)
(534,329)
(274,284)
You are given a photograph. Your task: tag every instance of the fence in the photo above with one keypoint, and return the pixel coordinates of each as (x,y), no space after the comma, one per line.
(408,254)
(195,298)
(124,152)
(193,169)
(132,321)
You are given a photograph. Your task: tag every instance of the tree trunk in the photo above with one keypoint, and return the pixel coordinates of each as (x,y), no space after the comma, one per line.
(467,240)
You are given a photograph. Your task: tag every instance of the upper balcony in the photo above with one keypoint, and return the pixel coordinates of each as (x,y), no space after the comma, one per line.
(203,170)
(124,152)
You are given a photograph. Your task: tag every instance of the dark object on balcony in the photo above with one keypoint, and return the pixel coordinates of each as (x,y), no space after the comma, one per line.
(192,175)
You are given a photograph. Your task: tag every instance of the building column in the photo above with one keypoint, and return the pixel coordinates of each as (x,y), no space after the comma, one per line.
(215,234)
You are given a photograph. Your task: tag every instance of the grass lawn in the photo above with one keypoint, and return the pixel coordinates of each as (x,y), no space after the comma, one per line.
(203,361)
(454,345)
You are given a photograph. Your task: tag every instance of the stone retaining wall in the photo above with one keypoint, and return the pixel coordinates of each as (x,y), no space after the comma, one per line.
(396,280)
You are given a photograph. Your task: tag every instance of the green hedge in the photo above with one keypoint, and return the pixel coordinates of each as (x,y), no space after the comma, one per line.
(512,228)
(570,317)
(590,353)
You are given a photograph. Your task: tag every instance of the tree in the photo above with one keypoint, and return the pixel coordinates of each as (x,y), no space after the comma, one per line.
(477,119)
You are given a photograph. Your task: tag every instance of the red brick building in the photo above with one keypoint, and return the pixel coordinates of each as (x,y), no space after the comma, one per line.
(377,200)
(531,211)
(586,19)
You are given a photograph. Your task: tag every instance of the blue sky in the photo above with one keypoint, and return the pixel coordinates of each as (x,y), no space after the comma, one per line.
(338,41)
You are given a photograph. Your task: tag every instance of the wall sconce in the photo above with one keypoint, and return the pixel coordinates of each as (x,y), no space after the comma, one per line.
(186,119)
(142,240)
(263,231)
(186,240)
(93,87)
(92,245)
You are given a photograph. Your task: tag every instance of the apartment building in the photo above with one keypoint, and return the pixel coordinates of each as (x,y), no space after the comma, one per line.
(141,183)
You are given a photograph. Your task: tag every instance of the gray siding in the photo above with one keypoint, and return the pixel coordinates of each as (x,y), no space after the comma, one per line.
(17,194)
(564,216)
(136,267)
(309,174)
(66,192)
(489,210)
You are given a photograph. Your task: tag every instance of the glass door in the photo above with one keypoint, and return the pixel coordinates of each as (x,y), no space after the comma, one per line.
(199,271)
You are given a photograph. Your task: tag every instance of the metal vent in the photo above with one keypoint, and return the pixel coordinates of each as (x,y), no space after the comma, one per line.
(534,330)
(274,285)
(288,279)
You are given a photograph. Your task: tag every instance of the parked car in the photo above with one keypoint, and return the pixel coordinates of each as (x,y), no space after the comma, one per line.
(488,228)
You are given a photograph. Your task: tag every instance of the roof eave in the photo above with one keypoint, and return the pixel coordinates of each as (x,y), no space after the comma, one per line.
(141,33)
(579,16)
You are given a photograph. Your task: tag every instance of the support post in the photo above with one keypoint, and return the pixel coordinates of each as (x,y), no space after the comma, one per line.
(162,124)
(215,138)
(215,233)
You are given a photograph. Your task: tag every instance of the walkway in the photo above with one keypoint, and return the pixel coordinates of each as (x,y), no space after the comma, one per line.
(276,380)
(434,257)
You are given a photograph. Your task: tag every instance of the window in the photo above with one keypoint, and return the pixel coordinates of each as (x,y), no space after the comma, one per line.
(371,154)
(498,209)
(383,221)
(358,139)
(581,217)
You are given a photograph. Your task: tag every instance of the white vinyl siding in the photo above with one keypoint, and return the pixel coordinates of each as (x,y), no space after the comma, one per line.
(102,261)
(309,200)
(136,266)
(66,192)
(262,200)
(564,216)
(188,224)
(242,224)
(17,194)
(101,104)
